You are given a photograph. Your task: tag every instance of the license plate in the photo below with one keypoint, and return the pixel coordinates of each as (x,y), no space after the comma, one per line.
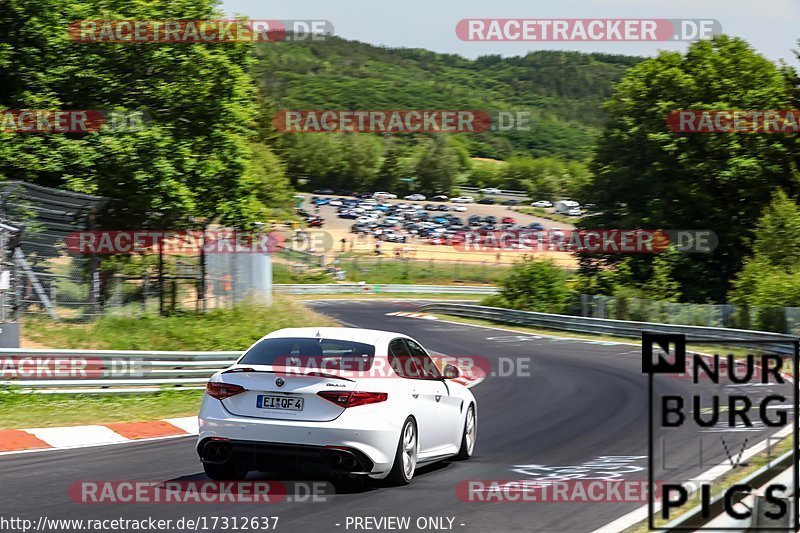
(284,403)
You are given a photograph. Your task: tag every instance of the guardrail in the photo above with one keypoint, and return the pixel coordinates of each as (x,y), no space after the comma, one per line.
(503,192)
(610,327)
(109,371)
(368,288)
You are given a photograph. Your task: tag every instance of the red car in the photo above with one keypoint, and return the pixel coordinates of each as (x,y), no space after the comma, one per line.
(508,220)
(316,222)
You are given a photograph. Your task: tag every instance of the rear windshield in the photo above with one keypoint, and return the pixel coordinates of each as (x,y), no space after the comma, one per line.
(314,353)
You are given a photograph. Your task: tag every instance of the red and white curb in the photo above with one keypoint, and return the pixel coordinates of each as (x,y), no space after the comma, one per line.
(424,316)
(16,440)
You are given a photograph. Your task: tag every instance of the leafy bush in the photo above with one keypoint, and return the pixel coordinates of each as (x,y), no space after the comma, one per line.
(535,285)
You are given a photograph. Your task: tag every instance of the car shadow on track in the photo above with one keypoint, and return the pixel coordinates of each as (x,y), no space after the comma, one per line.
(296,483)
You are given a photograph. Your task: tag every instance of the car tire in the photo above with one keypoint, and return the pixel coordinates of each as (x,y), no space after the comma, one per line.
(405,457)
(224,472)
(469,434)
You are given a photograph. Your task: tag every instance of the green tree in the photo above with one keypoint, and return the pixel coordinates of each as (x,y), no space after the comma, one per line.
(362,153)
(518,171)
(266,172)
(661,285)
(484,174)
(392,169)
(191,159)
(770,277)
(317,157)
(534,285)
(605,281)
(437,166)
(645,176)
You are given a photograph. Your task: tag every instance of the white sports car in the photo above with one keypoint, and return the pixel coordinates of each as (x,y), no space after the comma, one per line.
(334,401)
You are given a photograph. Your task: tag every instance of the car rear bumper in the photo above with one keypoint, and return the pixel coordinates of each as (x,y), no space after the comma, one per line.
(372,440)
(281,457)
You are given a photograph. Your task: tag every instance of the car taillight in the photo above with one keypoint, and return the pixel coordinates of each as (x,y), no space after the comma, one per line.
(352,399)
(220,391)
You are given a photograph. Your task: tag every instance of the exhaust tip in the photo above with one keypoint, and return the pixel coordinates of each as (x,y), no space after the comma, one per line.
(216,451)
(335,459)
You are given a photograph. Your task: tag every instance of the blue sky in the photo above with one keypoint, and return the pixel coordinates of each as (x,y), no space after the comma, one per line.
(771,26)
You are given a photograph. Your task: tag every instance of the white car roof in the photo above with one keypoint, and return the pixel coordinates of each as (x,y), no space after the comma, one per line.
(367,336)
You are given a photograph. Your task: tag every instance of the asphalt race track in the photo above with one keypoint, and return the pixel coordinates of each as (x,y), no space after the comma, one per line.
(583,405)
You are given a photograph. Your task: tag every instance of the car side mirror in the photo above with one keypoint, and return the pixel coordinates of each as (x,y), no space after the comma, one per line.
(450,372)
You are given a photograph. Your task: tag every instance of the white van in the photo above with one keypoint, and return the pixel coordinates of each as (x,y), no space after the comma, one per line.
(568,207)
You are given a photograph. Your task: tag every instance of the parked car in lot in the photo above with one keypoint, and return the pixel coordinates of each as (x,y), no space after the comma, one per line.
(381,195)
(460,208)
(442,208)
(439,198)
(510,202)
(391,235)
(568,207)
(542,203)
(415,197)
(429,207)
(490,190)
(316,222)
(487,201)
(462,199)
(508,220)
(323,191)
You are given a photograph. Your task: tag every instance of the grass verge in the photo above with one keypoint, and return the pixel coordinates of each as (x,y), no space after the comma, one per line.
(371,269)
(218,329)
(222,329)
(34,410)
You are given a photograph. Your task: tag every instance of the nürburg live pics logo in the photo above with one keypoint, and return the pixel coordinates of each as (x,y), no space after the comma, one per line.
(722,432)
